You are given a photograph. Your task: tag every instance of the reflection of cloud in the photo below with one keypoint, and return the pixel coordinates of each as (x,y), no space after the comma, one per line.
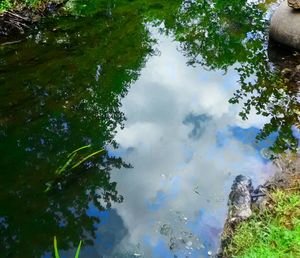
(198,122)
(110,232)
(169,164)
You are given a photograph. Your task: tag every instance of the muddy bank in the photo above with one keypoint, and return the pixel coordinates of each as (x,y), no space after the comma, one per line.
(14,23)
(245,201)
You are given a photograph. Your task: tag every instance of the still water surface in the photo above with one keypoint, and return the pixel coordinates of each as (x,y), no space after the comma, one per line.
(150,83)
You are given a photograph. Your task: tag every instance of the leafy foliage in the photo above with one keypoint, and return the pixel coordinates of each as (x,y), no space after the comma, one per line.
(219,34)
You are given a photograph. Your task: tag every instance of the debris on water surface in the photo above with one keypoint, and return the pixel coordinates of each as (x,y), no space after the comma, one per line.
(189,243)
(266,153)
(178,237)
(165,230)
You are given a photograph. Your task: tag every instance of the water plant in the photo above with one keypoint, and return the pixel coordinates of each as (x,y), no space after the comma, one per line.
(56,249)
(72,163)
(69,165)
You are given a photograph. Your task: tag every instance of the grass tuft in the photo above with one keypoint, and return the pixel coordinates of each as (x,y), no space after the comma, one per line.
(5,5)
(56,253)
(273,233)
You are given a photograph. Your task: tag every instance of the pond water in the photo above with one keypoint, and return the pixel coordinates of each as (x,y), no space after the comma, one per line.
(182,98)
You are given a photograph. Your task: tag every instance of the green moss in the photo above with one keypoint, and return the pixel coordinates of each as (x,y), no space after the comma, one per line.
(274,233)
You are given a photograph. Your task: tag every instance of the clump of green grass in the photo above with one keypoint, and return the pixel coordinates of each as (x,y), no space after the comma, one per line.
(5,5)
(56,249)
(275,232)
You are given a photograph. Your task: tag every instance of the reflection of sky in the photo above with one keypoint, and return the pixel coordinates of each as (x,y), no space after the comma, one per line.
(186,144)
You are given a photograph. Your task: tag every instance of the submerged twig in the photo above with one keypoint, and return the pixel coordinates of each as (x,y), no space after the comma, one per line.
(11,42)
(17,16)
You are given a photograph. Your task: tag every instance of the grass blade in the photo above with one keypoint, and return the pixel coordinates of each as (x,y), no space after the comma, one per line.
(87,157)
(81,148)
(55,248)
(78,250)
(63,168)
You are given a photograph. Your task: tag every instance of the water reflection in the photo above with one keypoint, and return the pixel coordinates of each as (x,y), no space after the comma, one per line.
(68,85)
(60,90)
(181,135)
(217,35)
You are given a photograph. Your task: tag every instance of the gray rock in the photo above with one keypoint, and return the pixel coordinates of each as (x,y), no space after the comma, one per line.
(295,4)
(285,27)
(240,199)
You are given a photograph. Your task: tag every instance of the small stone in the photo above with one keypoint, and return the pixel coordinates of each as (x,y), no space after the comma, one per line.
(295,4)
(298,68)
(209,253)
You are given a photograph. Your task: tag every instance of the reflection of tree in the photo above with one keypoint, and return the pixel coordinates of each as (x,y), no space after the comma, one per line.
(60,90)
(270,97)
(215,33)
(30,218)
(218,34)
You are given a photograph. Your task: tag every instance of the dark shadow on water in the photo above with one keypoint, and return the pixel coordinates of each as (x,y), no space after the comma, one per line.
(60,90)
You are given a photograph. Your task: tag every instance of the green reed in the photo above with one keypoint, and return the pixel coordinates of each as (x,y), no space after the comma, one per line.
(56,249)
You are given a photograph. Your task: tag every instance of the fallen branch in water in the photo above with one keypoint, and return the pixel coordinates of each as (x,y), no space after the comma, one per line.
(13,22)
(17,16)
(11,42)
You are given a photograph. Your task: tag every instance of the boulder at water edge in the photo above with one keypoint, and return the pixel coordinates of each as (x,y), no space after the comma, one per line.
(294,4)
(285,26)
